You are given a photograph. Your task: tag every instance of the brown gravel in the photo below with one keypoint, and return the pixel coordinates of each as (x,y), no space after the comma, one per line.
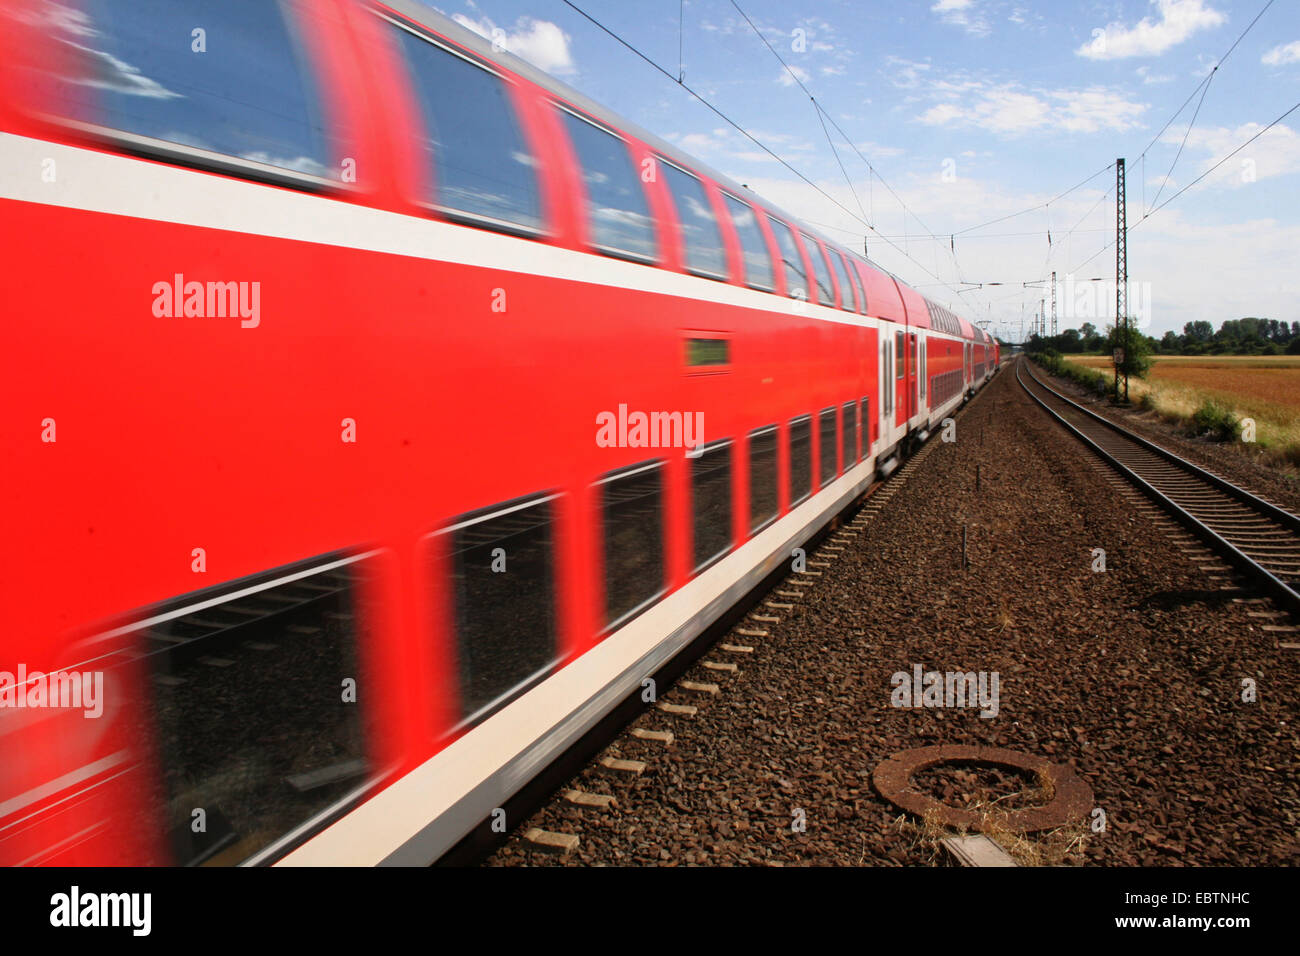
(1132,676)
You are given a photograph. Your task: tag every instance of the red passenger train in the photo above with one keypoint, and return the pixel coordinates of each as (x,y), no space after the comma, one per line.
(379,413)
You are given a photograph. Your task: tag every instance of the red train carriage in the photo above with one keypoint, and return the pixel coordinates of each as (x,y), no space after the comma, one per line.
(380,412)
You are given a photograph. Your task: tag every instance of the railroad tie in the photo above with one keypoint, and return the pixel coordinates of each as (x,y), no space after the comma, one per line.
(600,801)
(562,843)
(698,688)
(619,765)
(748,632)
(682,710)
(737,648)
(721,666)
(664,737)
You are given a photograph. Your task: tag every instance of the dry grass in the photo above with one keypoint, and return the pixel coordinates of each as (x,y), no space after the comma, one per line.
(1044,848)
(1263,387)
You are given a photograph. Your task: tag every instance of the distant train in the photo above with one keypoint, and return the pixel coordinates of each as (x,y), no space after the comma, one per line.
(379,413)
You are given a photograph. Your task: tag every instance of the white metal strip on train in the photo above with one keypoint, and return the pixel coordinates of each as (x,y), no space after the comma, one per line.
(126,186)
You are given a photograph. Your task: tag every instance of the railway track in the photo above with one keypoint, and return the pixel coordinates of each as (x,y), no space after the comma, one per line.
(1257,537)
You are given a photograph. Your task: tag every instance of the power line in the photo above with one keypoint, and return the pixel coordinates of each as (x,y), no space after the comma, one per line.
(729,121)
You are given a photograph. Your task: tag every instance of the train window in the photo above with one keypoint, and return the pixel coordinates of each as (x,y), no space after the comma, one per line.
(617,213)
(255,721)
(796,280)
(848,434)
(632,507)
(900,355)
(821,272)
(920,378)
(481,166)
(857,285)
(758,262)
(502,564)
(711,491)
(800,459)
(826,442)
(701,240)
(250,104)
(864,426)
(847,301)
(762,477)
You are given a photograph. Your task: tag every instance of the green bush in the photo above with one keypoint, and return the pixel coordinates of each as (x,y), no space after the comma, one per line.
(1216,420)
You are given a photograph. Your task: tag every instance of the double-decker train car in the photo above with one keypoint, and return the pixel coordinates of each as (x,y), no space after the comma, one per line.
(379,414)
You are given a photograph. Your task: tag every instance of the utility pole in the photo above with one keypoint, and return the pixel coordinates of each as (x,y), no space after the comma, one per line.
(1054,303)
(1121,279)
(1042,316)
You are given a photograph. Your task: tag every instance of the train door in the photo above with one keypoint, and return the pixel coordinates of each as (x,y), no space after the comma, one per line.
(900,379)
(913,376)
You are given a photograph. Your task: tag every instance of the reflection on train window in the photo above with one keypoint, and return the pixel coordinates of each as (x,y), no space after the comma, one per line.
(848,434)
(617,214)
(800,459)
(632,508)
(864,426)
(762,477)
(701,240)
(132,67)
(503,592)
(825,292)
(711,502)
(857,286)
(758,261)
(254,720)
(826,439)
(796,280)
(847,302)
(479,163)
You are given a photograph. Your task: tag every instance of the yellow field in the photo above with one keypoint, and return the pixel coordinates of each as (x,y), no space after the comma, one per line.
(1263,387)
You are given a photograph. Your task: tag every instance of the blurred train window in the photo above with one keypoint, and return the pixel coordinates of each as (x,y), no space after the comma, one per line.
(826,441)
(632,508)
(711,513)
(758,261)
(255,722)
(822,273)
(762,477)
(701,240)
(503,590)
(848,435)
(848,302)
(135,69)
(800,459)
(617,213)
(481,166)
(796,280)
(864,426)
(900,355)
(857,286)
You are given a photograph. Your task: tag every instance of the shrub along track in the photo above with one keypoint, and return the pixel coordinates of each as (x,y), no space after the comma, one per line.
(1132,676)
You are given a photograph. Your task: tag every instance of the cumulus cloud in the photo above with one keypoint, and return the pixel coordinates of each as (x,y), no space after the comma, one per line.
(1275,153)
(1178,21)
(1286,53)
(540,42)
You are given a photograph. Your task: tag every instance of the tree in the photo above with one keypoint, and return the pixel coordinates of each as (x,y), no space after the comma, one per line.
(1137,349)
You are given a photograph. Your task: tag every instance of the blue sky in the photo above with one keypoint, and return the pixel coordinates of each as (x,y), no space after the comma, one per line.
(975,109)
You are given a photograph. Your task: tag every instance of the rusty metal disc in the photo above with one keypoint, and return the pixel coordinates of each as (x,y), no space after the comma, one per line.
(1072,797)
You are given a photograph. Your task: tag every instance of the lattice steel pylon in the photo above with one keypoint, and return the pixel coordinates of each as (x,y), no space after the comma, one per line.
(1121,275)
(1054,330)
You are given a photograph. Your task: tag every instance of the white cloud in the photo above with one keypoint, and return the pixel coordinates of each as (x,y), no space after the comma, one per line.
(1149,78)
(905,74)
(785,79)
(1010,110)
(540,42)
(1286,53)
(964,14)
(1275,153)
(1179,19)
